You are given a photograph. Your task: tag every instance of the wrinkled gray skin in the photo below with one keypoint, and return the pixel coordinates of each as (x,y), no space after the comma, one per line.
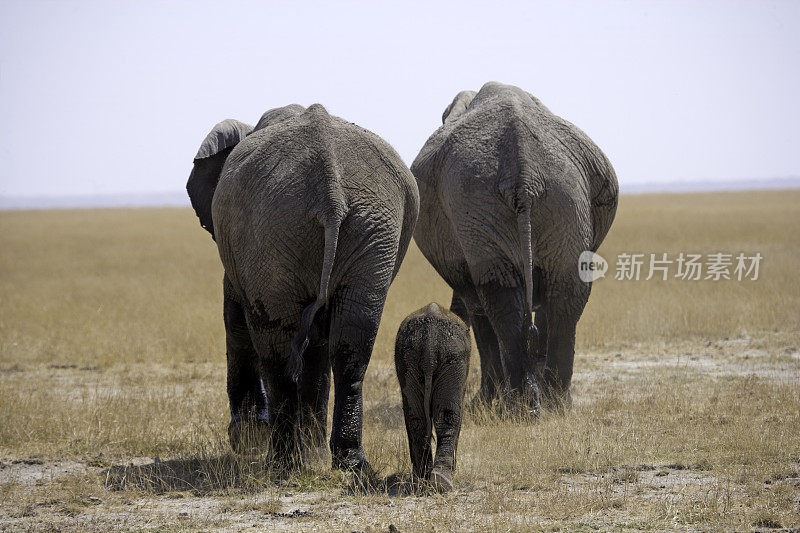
(431,356)
(312,216)
(511,194)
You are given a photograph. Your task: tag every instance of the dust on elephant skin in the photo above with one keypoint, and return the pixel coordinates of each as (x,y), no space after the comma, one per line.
(312,216)
(511,194)
(432,352)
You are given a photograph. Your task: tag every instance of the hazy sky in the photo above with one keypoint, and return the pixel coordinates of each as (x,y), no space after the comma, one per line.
(115,97)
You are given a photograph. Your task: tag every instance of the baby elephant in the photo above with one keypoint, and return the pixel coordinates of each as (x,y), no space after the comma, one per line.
(431,356)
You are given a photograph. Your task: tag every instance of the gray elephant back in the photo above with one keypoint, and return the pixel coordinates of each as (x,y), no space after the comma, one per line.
(541,150)
(501,153)
(433,330)
(512,195)
(213,153)
(278,115)
(310,149)
(286,184)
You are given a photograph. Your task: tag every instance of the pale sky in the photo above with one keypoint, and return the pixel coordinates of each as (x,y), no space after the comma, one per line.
(115,97)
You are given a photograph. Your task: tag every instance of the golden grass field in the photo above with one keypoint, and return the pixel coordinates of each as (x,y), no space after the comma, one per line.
(113,410)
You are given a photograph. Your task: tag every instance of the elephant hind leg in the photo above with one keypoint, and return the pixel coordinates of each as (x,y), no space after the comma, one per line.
(539,344)
(564,306)
(249,424)
(314,388)
(284,413)
(411,363)
(446,405)
(506,309)
(367,265)
(419,437)
(356,314)
(493,375)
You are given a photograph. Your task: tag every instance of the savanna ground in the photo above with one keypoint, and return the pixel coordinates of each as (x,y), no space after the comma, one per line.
(114,413)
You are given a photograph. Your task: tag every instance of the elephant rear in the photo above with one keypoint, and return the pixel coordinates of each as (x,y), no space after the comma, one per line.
(505,168)
(511,196)
(291,218)
(432,352)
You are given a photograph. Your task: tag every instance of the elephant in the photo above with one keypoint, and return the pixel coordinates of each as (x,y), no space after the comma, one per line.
(511,195)
(312,216)
(431,357)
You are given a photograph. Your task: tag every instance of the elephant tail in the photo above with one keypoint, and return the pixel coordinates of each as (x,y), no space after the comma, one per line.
(522,185)
(428,406)
(300,341)
(428,368)
(323,178)
(524,229)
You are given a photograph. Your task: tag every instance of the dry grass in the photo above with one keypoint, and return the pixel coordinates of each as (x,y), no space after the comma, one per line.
(687,410)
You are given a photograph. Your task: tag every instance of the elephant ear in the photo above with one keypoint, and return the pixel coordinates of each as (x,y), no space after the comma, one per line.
(208,165)
(458,105)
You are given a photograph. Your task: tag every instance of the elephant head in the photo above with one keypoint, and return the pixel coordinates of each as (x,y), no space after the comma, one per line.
(208,165)
(432,360)
(458,105)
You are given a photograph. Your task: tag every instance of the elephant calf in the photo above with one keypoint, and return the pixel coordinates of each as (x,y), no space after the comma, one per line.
(432,360)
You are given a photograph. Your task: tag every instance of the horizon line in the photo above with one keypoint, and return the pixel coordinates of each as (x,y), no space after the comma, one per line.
(179,198)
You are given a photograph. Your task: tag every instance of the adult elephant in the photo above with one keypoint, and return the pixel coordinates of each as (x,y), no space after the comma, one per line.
(312,216)
(511,194)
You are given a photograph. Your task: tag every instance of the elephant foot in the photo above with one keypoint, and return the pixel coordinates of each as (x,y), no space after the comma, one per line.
(524,404)
(249,435)
(285,453)
(351,460)
(441,480)
(363,479)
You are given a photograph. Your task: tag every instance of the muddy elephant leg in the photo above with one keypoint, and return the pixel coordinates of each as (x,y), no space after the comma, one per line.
(447,401)
(493,375)
(505,308)
(539,346)
(540,321)
(315,385)
(356,314)
(248,428)
(565,302)
(284,413)
(408,365)
(419,441)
